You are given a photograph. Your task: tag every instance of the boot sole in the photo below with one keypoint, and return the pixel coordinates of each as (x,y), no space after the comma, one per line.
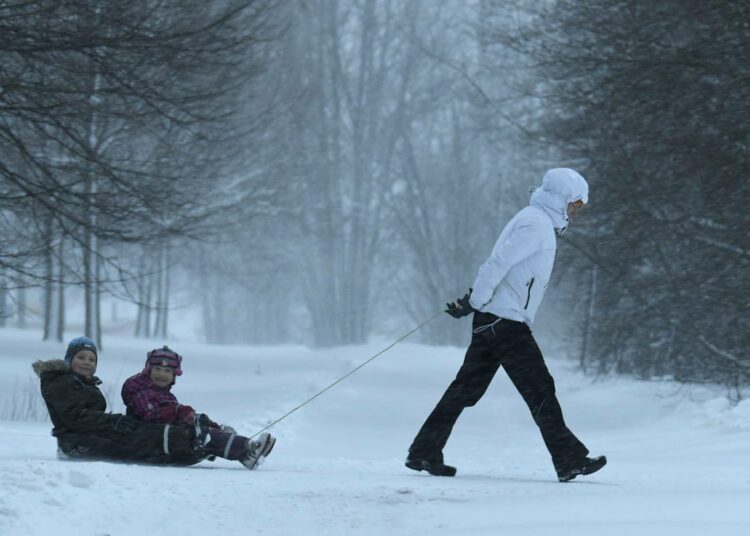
(266,450)
(269,447)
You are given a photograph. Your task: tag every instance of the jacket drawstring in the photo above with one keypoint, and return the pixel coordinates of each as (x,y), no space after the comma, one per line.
(480,329)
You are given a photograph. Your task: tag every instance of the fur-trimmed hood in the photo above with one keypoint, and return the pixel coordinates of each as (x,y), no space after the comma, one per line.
(53,365)
(59,366)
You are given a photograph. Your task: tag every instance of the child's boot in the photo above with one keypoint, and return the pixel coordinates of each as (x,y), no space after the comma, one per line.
(257,450)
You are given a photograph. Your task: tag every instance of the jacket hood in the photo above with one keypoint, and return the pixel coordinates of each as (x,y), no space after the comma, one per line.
(560,186)
(53,365)
(566,183)
(59,366)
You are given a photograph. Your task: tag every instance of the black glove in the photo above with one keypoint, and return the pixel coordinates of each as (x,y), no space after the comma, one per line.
(461,307)
(124,424)
(204,421)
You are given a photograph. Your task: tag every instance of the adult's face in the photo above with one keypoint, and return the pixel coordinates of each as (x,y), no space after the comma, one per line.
(573,208)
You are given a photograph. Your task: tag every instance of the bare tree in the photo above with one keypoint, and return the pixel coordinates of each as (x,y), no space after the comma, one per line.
(102,113)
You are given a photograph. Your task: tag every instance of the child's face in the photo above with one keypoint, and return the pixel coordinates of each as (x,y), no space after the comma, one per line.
(84,363)
(162,376)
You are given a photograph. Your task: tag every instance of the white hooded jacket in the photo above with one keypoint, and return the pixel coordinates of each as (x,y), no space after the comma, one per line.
(511,282)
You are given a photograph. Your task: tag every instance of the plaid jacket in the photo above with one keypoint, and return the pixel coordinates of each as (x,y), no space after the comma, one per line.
(147,401)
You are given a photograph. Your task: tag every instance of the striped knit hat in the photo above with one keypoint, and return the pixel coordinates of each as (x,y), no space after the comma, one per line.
(166,358)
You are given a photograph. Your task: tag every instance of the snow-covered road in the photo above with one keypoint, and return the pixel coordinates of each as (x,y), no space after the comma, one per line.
(677,456)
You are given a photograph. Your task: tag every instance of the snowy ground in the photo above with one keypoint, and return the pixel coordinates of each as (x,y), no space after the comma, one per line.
(678,457)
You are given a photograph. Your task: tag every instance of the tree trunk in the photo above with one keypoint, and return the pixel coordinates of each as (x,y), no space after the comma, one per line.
(139,315)
(90,190)
(165,299)
(98,298)
(588,319)
(88,286)
(48,278)
(219,312)
(208,324)
(3,299)
(61,292)
(20,303)
(148,305)
(159,275)
(141,323)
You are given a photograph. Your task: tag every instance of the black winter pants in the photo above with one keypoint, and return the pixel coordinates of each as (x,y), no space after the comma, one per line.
(510,344)
(150,443)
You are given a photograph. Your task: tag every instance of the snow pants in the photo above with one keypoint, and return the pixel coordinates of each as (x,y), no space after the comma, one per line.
(509,344)
(151,443)
(226,445)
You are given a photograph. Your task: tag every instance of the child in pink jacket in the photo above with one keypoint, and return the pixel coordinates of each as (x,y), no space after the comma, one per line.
(148,396)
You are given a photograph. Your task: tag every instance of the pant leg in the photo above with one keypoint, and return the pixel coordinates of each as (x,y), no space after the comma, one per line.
(524,364)
(226,445)
(150,443)
(479,367)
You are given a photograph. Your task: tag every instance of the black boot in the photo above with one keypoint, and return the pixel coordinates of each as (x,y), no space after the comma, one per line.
(585,466)
(434,467)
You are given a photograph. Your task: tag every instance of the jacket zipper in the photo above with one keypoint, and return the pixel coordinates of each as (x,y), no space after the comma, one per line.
(528,296)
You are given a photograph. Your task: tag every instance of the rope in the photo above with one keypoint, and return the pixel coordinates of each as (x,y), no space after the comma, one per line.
(342,378)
